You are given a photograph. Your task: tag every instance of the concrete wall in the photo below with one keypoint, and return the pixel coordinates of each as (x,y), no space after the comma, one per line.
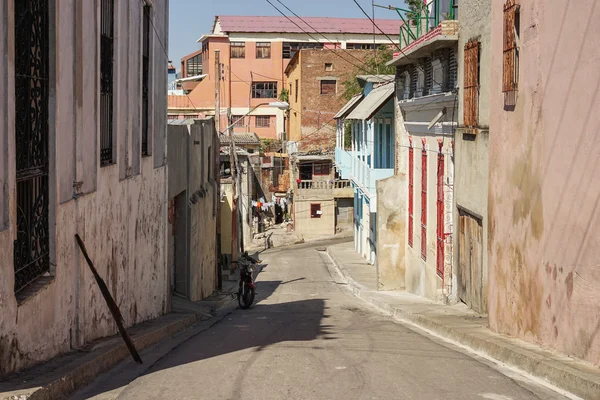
(345,213)
(191,169)
(544,219)
(121,210)
(307,227)
(471,151)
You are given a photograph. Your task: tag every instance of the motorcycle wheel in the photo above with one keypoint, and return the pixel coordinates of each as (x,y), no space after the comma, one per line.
(247,299)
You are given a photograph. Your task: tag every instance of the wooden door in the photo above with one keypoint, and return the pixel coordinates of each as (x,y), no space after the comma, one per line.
(470,262)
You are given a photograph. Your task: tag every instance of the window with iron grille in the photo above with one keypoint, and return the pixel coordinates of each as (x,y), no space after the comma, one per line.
(424,203)
(321,169)
(262,121)
(510,68)
(315,210)
(411,190)
(440,215)
(238,50)
(296,92)
(361,46)
(290,48)
(238,121)
(193,66)
(328,87)
(263,50)
(106,81)
(264,90)
(32,63)
(146,81)
(471,83)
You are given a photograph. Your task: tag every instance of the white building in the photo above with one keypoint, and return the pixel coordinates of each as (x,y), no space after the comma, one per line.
(82,151)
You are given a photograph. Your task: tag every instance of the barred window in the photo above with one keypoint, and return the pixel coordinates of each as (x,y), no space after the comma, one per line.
(263,121)
(315,210)
(238,50)
(237,120)
(360,46)
(193,66)
(264,90)
(471,84)
(290,48)
(106,81)
(263,50)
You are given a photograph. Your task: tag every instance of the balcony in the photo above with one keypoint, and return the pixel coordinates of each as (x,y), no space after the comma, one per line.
(343,162)
(331,189)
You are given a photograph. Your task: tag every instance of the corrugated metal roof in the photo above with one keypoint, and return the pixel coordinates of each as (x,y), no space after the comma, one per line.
(372,102)
(240,138)
(230,23)
(375,78)
(349,106)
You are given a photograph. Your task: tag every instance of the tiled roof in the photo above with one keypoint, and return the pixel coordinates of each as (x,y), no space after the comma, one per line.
(240,138)
(230,23)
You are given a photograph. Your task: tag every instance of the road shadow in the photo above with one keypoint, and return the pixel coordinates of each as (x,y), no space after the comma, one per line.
(266,323)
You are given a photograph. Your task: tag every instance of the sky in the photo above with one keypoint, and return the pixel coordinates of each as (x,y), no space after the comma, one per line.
(189,19)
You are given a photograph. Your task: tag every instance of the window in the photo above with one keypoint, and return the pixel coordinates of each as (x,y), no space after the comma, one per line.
(420,82)
(193,66)
(315,210)
(263,50)
(471,83)
(510,68)
(424,203)
(145,80)
(328,67)
(296,92)
(361,46)
(205,47)
(321,169)
(328,87)
(411,189)
(238,50)
(238,121)
(263,121)
(440,215)
(290,48)
(32,108)
(290,89)
(264,90)
(106,81)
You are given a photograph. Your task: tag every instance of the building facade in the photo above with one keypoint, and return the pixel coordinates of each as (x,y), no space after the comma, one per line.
(415,225)
(543,219)
(254,53)
(314,80)
(193,195)
(82,151)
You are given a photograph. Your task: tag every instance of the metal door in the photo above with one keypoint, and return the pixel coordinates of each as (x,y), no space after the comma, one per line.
(470,262)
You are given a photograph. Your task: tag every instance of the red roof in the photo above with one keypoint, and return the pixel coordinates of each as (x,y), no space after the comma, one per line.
(231,23)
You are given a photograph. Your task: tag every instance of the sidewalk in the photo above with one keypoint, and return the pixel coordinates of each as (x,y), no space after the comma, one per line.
(463,326)
(61,376)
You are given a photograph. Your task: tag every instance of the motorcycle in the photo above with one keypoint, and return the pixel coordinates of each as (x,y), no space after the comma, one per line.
(247,287)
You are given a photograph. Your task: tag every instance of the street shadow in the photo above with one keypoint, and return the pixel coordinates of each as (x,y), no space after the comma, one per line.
(265,324)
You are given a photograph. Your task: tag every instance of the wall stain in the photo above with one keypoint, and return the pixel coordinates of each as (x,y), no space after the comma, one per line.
(528,204)
(569,283)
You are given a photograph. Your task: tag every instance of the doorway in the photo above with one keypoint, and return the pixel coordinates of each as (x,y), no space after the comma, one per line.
(180,246)
(470,262)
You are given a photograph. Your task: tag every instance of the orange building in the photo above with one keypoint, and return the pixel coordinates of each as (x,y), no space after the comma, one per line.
(254,53)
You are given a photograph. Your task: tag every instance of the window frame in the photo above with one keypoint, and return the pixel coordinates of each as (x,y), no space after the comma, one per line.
(321,169)
(263,50)
(328,82)
(106,82)
(193,66)
(146,54)
(238,121)
(315,208)
(264,90)
(237,45)
(263,118)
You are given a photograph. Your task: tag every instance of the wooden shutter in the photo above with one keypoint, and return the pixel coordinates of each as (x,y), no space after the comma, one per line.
(471,84)
(510,66)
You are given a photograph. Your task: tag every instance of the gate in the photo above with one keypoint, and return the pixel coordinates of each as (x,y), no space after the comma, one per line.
(31,247)
(470,262)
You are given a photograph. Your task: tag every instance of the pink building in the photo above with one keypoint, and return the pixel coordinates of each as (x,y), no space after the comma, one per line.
(254,53)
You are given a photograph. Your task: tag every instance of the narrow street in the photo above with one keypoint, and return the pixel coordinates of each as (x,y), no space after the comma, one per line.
(309,338)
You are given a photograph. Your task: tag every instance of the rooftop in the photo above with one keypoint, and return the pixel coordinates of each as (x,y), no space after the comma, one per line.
(240,138)
(247,24)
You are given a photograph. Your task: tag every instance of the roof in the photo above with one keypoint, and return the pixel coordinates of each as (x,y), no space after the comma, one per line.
(375,78)
(240,138)
(349,106)
(279,24)
(191,78)
(372,102)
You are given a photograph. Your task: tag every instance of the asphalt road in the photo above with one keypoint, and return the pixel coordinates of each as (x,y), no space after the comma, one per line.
(309,338)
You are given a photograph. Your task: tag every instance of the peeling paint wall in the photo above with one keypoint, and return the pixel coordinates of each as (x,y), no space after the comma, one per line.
(121,213)
(544,219)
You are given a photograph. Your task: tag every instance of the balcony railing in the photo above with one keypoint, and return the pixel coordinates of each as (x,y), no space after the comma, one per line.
(325,185)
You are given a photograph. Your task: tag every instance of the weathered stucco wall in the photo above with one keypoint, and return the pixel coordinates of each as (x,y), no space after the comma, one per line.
(121,217)
(307,227)
(544,219)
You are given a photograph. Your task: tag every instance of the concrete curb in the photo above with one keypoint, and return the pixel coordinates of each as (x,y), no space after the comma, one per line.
(554,369)
(96,363)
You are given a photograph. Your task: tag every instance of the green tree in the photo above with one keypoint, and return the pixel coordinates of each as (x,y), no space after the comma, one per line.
(373,65)
(415,7)
(284,95)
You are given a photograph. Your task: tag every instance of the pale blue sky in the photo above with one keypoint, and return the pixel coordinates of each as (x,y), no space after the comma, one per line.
(189,19)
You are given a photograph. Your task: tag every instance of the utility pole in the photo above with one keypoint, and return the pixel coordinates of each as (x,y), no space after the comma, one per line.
(374,44)
(217,76)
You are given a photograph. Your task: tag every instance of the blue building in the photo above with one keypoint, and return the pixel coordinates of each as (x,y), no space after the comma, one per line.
(365,153)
